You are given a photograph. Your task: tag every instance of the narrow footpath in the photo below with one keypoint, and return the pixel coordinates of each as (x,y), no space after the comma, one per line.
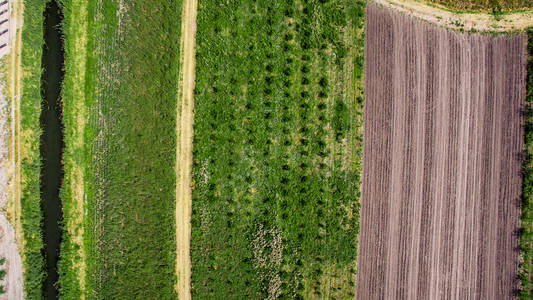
(184,141)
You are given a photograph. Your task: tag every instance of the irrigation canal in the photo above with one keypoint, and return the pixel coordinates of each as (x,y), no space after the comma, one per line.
(51,143)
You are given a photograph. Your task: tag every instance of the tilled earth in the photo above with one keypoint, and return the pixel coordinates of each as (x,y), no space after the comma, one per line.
(442,161)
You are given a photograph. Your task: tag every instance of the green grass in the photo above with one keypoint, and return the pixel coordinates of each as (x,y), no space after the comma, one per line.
(129,154)
(3,274)
(277,149)
(31,218)
(526,237)
(495,5)
(72,264)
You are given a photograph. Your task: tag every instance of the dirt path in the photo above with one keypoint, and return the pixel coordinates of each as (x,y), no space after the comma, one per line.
(16,85)
(479,21)
(184,134)
(442,161)
(10,236)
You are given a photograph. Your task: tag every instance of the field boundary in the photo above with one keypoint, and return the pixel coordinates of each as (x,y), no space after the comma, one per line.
(11,239)
(16,91)
(470,21)
(184,140)
(73,260)
(27,94)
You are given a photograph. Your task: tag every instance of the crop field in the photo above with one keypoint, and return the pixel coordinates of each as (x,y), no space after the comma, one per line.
(277,149)
(442,162)
(214,149)
(123,159)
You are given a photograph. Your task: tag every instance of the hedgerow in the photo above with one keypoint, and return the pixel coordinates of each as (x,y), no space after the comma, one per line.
(526,233)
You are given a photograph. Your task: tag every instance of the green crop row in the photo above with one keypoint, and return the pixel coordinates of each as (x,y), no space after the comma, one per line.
(495,5)
(30,110)
(277,149)
(526,237)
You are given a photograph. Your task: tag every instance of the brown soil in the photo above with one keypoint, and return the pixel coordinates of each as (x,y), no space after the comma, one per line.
(184,133)
(442,162)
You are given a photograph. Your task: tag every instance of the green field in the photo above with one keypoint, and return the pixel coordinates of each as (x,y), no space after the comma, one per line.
(130,92)
(277,149)
(277,153)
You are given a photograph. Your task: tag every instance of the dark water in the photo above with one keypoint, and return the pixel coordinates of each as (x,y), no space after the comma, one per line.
(51,143)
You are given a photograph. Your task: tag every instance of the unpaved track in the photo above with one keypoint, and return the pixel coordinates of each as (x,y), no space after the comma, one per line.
(442,162)
(10,230)
(184,134)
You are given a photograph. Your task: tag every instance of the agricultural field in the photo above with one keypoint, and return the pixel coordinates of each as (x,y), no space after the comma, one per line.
(120,141)
(258,149)
(442,161)
(277,149)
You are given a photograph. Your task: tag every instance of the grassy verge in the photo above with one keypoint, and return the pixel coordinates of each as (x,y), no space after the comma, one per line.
(120,166)
(72,265)
(494,5)
(3,274)
(30,110)
(277,149)
(526,238)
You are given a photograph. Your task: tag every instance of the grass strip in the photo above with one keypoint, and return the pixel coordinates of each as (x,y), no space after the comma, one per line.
(526,234)
(72,265)
(30,133)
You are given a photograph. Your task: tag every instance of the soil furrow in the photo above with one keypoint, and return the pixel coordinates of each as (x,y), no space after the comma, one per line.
(442,161)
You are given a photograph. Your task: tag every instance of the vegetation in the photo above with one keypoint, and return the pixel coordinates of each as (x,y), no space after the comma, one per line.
(30,110)
(277,149)
(495,5)
(526,237)
(125,154)
(3,273)
(72,265)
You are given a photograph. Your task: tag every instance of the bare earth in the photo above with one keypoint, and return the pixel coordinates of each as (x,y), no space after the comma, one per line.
(442,162)
(185,119)
(481,21)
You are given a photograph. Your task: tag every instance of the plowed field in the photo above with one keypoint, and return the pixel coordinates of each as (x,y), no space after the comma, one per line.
(442,162)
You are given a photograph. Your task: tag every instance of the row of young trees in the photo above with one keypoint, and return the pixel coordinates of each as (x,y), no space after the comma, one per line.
(273,126)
